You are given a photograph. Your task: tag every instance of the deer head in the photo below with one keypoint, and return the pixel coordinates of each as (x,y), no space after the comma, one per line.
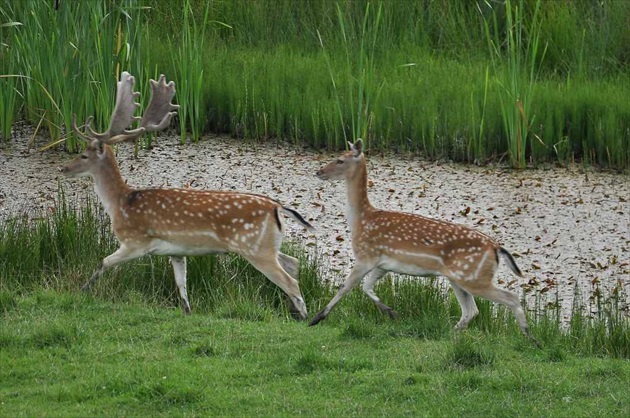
(346,165)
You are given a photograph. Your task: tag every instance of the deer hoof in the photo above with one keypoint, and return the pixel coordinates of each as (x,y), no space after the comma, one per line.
(392,313)
(317,319)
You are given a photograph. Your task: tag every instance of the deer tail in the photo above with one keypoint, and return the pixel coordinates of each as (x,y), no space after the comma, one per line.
(510,261)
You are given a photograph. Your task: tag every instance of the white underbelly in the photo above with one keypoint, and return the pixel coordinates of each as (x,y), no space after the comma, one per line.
(397,266)
(187,243)
(161,247)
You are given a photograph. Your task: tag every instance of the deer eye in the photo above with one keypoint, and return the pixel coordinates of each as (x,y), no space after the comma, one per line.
(339,161)
(84,157)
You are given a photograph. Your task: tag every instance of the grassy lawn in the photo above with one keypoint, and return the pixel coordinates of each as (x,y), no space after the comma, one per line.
(65,354)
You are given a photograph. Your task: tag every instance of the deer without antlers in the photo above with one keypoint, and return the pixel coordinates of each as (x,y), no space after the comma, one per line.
(384,241)
(180,222)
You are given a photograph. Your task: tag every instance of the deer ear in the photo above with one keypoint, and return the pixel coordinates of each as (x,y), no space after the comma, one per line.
(357,147)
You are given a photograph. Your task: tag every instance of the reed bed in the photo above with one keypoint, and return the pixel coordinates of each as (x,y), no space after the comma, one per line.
(522,81)
(66,60)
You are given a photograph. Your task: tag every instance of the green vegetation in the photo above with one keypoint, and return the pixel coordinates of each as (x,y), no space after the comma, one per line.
(64,249)
(471,81)
(517,72)
(66,354)
(127,349)
(65,60)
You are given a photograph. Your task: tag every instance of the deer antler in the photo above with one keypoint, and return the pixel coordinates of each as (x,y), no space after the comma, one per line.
(77,131)
(160,110)
(158,115)
(123,114)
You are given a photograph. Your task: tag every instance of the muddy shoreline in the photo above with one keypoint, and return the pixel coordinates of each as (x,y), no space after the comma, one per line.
(567,227)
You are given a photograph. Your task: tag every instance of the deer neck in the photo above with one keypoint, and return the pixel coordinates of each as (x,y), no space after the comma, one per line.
(357,203)
(109,184)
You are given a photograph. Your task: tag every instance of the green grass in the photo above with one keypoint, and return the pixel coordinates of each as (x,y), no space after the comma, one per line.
(127,349)
(67,354)
(417,76)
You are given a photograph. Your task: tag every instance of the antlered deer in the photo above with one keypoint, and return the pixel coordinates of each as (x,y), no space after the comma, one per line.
(179,222)
(384,241)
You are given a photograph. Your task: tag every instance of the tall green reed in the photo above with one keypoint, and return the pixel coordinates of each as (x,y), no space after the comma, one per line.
(407,75)
(74,52)
(190,71)
(8,103)
(359,72)
(583,121)
(476,149)
(8,84)
(516,66)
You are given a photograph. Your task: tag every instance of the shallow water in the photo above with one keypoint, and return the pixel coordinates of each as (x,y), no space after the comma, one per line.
(567,228)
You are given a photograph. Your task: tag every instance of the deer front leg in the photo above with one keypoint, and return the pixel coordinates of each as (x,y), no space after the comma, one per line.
(120,255)
(368,288)
(356,274)
(179,268)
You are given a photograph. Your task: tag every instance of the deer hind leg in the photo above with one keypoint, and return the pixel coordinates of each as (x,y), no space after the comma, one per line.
(122,254)
(368,287)
(179,268)
(482,285)
(290,264)
(271,268)
(355,276)
(510,299)
(467,304)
